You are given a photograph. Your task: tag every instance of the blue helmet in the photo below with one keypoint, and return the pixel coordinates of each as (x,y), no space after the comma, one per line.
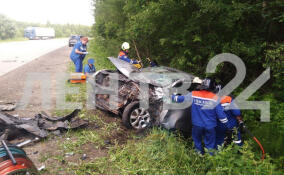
(91,61)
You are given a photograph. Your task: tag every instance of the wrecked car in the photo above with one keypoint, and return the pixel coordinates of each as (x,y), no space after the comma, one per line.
(138,95)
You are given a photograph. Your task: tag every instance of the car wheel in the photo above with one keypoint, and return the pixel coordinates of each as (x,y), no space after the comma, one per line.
(135,116)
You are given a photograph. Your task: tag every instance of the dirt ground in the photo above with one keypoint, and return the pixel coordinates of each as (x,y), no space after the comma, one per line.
(12,84)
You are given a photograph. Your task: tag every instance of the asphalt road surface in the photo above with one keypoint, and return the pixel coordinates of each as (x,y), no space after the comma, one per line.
(12,84)
(16,54)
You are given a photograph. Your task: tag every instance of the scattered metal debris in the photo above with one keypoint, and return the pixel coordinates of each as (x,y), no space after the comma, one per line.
(107,142)
(27,142)
(84,157)
(69,154)
(40,126)
(41,168)
(7,106)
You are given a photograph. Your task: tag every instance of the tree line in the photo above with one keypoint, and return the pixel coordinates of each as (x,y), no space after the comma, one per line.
(10,29)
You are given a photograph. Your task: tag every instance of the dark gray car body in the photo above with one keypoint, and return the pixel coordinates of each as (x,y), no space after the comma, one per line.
(130,84)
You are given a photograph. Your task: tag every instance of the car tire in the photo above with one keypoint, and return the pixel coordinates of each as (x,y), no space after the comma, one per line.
(136,117)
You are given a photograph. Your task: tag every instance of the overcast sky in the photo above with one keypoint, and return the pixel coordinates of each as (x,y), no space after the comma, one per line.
(54,11)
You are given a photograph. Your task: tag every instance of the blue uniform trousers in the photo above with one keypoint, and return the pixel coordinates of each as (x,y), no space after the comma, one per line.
(78,64)
(221,134)
(208,135)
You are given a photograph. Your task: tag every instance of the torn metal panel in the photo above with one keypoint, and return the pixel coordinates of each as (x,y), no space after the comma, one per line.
(41,125)
(127,91)
(123,66)
(7,106)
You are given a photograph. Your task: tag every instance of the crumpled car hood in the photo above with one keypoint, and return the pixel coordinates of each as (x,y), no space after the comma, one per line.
(158,76)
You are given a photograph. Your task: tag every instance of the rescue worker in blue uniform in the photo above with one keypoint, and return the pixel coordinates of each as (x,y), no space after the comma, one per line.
(90,68)
(78,53)
(153,63)
(123,54)
(234,121)
(205,111)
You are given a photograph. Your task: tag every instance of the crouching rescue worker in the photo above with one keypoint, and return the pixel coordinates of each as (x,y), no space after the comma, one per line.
(153,63)
(234,121)
(78,53)
(205,111)
(90,68)
(123,55)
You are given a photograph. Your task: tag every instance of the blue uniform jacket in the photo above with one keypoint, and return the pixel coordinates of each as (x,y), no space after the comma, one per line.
(232,111)
(89,69)
(74,56)
(201,117)
(123,56)
(153,64)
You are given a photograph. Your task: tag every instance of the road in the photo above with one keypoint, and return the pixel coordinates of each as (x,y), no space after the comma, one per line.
(16,54)
(12,84)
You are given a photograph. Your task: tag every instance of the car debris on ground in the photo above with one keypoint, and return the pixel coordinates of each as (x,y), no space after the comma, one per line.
(40,126)
(7,106)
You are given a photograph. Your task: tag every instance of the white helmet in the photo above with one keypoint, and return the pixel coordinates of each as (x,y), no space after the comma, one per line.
(197,80)
(125,46)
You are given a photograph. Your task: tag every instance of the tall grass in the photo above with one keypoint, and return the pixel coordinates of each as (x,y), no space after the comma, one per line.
(162,152)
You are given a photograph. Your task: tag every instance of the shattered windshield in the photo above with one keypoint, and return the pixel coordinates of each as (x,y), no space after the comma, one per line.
(159,76)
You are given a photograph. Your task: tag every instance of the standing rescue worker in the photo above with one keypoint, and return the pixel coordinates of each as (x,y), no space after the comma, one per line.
(205,110)
(123,54)
(234,120)
(90,68)
(78,53)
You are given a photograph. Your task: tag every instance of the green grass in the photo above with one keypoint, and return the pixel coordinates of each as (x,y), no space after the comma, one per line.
(101,58)
(14,39)
(162,152)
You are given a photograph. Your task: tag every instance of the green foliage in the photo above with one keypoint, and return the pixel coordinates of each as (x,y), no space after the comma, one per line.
(7,28)
(164,153)
(65,30)
(186,34)
(98,52)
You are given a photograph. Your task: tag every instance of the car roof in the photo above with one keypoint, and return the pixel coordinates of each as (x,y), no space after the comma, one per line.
(158,76)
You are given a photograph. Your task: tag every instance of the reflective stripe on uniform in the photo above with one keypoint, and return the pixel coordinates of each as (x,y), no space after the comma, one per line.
(237,141)
(225,120)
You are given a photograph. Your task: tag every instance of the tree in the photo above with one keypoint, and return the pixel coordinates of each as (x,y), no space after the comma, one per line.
(7,28)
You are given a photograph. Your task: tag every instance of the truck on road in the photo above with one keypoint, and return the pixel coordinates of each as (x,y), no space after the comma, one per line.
(39,33)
